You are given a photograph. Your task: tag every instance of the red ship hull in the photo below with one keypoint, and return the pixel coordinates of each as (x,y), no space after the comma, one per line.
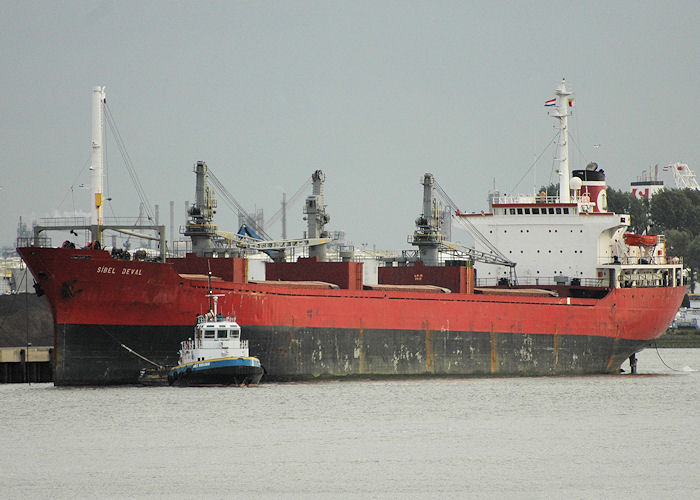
(101,304)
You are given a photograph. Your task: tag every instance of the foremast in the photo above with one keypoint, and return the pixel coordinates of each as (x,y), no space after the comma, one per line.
(97,156)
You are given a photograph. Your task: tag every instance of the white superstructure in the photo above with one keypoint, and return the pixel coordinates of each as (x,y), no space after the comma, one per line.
(571,238)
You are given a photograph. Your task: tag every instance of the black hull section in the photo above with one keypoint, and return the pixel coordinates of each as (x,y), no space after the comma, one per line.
(230,375)
(294,354)
(93,355)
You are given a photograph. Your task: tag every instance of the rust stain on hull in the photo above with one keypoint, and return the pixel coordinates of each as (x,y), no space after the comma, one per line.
(494,354)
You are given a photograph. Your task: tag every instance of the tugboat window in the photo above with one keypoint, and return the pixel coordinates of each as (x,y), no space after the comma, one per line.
(208,334)
(221,334)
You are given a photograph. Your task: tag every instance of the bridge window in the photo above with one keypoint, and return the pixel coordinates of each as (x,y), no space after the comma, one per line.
(520,211)
(535,211)
(527,211)
(559,210)
(566,210)
(512,211)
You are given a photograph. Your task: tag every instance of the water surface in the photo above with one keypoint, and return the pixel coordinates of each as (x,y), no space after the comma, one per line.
(565,437)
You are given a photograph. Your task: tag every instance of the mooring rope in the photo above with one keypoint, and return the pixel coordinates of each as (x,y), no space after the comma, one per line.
(129,349)
(656,345)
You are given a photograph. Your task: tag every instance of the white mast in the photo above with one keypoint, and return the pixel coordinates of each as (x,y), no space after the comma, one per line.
(561,113)
(97,158)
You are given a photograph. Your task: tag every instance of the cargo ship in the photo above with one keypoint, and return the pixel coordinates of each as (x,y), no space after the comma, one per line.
(582,302)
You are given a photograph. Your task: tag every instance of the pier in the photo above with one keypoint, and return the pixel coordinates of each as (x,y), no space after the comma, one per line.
(26,364)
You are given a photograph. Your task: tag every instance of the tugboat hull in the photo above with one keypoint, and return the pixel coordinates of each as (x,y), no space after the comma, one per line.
(226,371)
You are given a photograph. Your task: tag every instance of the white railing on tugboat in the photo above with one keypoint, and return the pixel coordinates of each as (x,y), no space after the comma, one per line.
(209,317)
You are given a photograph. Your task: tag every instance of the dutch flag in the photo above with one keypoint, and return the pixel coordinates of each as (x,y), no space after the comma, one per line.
(551,102)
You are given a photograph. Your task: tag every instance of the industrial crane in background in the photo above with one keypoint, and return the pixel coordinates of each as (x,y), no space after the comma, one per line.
(683,176)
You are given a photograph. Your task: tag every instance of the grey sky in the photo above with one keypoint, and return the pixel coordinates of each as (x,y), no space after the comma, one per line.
(374,93)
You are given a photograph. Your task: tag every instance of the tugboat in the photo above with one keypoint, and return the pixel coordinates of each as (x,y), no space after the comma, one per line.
(216,355)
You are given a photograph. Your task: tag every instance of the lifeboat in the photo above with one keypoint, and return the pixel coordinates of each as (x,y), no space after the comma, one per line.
(645,240)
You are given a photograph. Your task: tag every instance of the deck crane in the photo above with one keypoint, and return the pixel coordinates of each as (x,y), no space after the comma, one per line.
(208,240)
(430,240)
